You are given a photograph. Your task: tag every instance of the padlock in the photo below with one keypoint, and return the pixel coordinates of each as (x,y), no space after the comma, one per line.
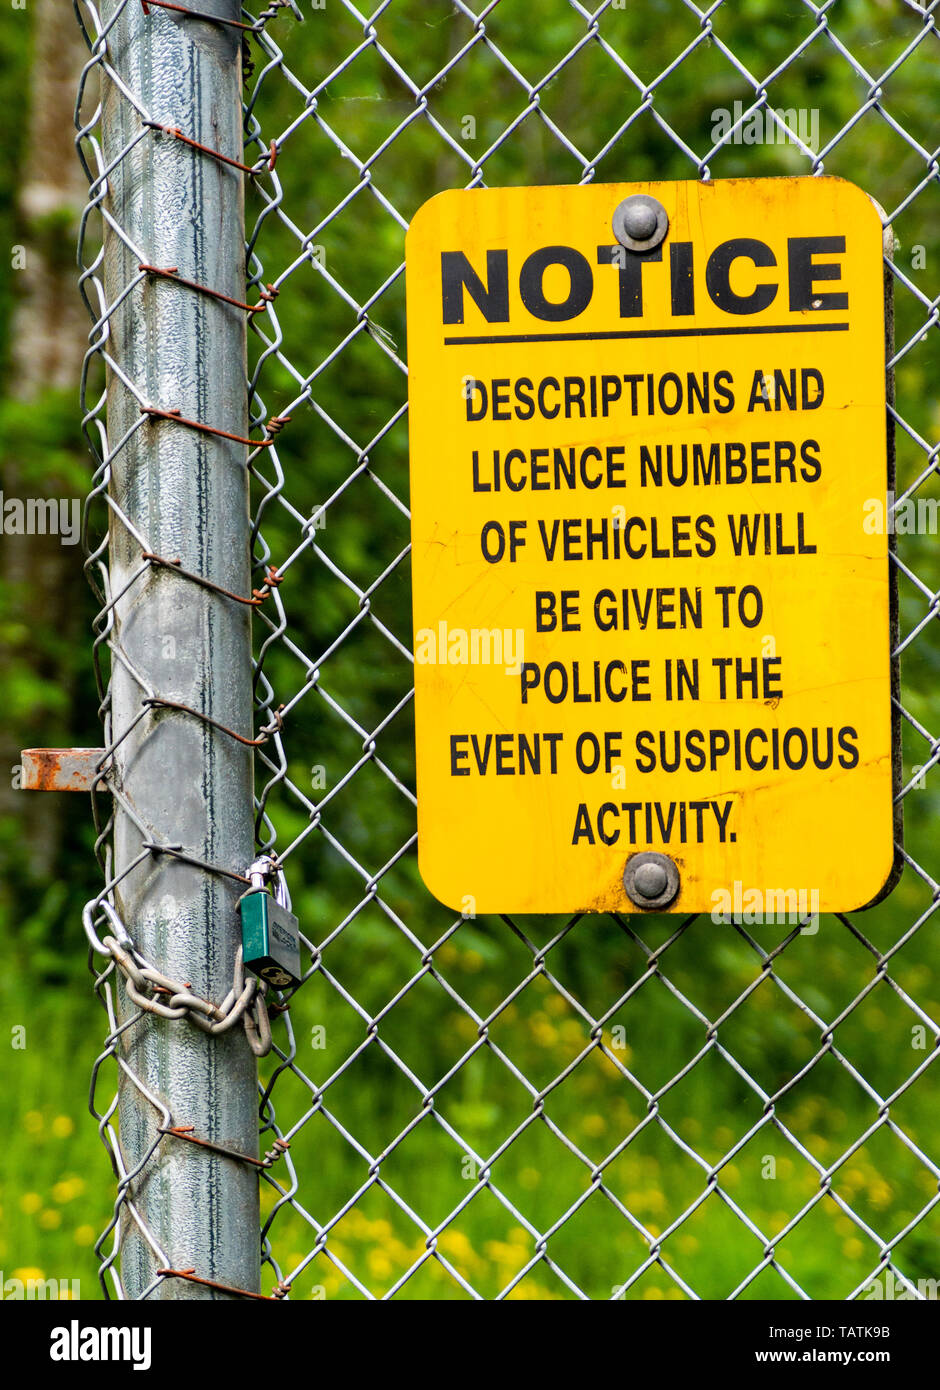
(270,932)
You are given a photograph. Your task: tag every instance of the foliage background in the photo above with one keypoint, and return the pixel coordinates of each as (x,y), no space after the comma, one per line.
(55,1182)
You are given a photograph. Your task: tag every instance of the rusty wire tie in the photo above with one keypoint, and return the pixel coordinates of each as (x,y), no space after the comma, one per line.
(273,426)
(271,580)
(197,14)
(155,700)
(281,1289)
(265,295)
(277,1150)
(177,134)
(256,28)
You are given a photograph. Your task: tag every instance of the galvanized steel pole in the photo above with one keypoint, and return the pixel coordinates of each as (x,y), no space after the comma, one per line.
(188,781)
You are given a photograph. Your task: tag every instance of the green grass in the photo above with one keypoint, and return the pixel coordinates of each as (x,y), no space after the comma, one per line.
(595,1107)
(55,1178)
(56,1192)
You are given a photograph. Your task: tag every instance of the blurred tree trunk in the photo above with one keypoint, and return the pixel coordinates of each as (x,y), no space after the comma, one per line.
(42,578)
(50,326)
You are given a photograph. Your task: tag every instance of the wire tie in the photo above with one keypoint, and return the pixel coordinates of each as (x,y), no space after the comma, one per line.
(169,273)
(271,580)
(186,1132)
(196,14)
(194,1278)
(154,700)
(177,134)
(273,426)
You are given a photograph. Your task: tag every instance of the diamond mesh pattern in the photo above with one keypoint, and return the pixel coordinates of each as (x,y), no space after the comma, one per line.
(591,1107)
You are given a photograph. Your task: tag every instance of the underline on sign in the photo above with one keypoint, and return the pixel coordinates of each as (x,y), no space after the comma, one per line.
(648,333)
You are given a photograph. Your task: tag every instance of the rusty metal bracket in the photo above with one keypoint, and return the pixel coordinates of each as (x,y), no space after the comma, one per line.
(61,769)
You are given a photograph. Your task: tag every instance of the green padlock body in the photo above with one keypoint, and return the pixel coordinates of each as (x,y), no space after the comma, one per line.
(270,939)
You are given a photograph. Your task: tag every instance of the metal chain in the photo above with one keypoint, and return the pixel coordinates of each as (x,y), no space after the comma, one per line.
(156,993)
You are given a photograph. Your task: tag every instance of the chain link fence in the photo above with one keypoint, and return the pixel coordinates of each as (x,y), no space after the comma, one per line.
(594,1107)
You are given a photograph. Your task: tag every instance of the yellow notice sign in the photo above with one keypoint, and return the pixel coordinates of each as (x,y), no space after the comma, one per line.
(650,558)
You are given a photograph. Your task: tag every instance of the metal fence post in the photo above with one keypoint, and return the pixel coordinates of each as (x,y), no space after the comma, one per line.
(183,492)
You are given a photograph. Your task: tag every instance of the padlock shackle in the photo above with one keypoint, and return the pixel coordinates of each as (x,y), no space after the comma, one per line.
(265,869)
(281,894)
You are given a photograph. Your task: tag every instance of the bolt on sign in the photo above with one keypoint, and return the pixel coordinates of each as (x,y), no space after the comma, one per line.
(652,617)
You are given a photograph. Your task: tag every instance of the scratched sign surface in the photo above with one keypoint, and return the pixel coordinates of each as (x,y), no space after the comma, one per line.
(650,564)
